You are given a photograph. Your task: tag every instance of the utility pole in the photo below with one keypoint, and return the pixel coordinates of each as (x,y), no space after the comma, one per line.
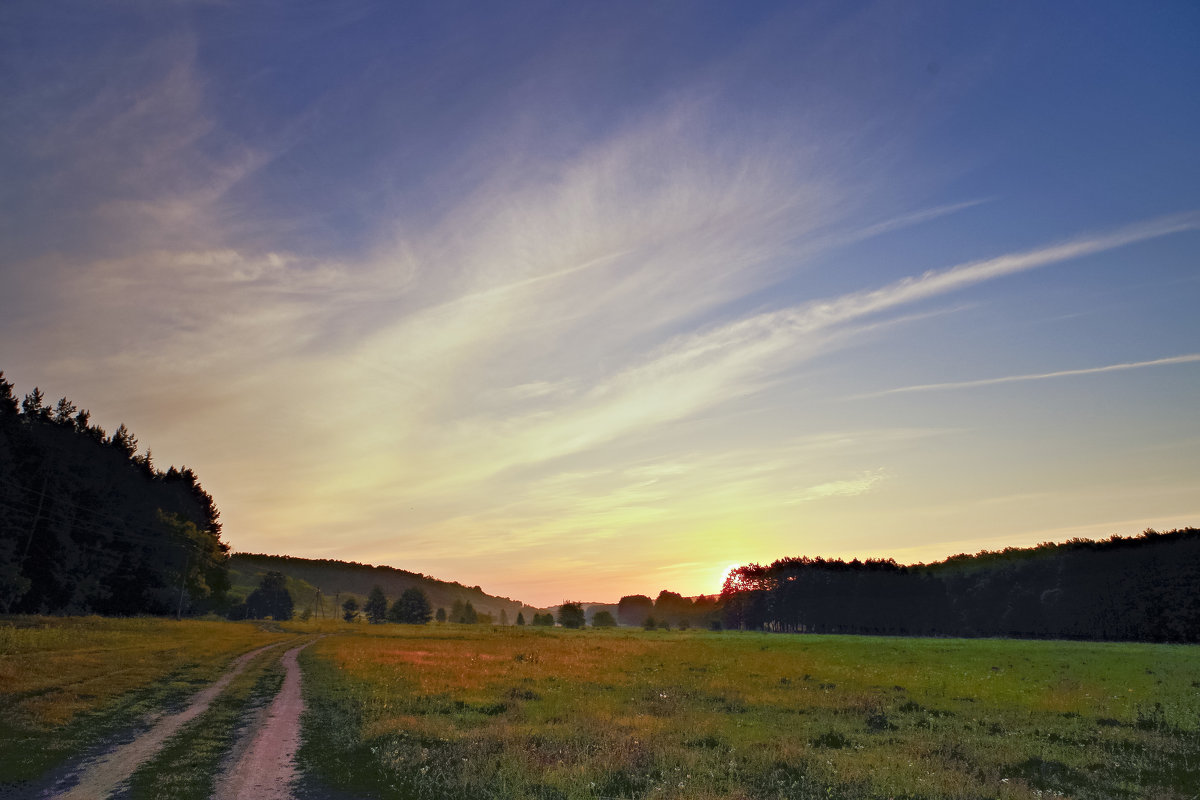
(37,516)
(182,581)
(317,602)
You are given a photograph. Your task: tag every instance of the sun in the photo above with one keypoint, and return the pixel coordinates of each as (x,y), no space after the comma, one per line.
(725,573)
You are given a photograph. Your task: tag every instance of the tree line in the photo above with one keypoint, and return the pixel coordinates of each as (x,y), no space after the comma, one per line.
(1142,588)
(90,525)
(669,610)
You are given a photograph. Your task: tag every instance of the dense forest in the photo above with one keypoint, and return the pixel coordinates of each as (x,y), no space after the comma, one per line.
(1143,588)
(89,525)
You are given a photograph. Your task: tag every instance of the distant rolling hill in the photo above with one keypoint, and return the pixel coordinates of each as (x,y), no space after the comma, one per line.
(337,580)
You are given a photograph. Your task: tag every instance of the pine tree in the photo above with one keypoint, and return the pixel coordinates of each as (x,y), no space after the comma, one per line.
(376,607)
(411,609)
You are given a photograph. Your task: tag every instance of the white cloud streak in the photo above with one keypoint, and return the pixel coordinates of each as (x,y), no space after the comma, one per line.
(1190,358)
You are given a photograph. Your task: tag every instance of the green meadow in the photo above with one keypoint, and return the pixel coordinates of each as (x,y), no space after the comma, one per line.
(459,712)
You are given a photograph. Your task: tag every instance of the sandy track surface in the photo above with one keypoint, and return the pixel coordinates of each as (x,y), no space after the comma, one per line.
(100,776)
(267,769)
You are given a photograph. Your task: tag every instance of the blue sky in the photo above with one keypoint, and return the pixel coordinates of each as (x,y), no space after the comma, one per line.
(580,300)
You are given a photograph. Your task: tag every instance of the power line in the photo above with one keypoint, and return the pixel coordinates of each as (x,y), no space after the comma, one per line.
(122,531)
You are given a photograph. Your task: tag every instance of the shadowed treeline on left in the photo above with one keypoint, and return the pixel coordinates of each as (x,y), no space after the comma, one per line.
(89,525)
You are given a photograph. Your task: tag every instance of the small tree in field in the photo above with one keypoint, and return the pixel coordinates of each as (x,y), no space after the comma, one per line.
(604,619)
(376,607)
(441,615)
(520,618)
(570,615)
(350,609)
(412,608)
(270,599)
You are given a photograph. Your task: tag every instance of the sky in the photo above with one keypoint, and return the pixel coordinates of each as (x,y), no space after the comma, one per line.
(580,300)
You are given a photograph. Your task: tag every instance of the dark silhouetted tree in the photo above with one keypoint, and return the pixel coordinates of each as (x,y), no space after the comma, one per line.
(520,618)
(8,400)
(604,619)
(123,441)
(441,615)
(271,598)
(376,607)
(411,609)
(571,615)
(673,608)
(350,609)
(633,609)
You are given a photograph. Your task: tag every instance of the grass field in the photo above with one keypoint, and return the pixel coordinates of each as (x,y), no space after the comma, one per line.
(67,683)
(448,711)
(463,712)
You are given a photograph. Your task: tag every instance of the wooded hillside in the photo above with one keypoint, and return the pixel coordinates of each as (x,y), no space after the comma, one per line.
(342,579)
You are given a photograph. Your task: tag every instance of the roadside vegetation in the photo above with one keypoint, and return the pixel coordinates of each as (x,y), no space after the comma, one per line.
(469,712)
(69,683)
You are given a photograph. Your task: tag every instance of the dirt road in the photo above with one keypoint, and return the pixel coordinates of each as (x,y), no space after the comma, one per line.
(267,769)
(99,777)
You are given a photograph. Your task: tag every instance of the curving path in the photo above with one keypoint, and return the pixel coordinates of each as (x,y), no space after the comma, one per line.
(267,769)
(99,777)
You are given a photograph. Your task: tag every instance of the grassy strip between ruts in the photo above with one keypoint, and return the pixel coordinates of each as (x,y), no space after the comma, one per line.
(69,684)
(465,712)
(188,765)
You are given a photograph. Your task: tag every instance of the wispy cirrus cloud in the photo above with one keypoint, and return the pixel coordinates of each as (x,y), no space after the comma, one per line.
(444,436)
(850,487)
(694,372)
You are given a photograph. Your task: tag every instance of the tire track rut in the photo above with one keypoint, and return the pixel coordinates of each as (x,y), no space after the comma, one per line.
(99,777)
(267,768)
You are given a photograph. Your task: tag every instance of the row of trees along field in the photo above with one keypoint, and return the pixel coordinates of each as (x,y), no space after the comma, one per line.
(669,609)
(88,525)
(412,608)
(1143,588)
